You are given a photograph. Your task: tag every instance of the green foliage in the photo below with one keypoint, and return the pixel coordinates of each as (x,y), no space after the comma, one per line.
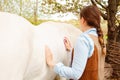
(33,9)
(26,8)
(53,6)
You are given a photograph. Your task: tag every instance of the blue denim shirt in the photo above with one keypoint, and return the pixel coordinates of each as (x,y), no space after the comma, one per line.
(83,49)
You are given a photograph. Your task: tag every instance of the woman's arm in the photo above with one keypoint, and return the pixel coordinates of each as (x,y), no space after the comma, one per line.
(81,53)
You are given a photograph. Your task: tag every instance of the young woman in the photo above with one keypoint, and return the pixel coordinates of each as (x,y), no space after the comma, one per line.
(87,63)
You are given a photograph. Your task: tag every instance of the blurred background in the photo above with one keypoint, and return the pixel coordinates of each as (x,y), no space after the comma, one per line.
(37,11)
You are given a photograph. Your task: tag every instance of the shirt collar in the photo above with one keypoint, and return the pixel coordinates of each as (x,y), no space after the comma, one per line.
(92,31)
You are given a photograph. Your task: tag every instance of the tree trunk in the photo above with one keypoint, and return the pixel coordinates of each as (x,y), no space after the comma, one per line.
(20,8)
(35,12)
(113,42)
(0,7)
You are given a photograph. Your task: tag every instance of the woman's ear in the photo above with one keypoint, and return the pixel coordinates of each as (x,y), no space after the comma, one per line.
(83,20)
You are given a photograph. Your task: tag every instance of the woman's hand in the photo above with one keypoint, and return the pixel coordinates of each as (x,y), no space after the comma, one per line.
(49,57)
(67,44)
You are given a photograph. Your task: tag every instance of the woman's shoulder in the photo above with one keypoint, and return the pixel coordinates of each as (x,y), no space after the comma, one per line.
(88,41)
(85,37)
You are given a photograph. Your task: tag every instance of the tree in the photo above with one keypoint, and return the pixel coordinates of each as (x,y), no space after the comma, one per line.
(35,11)
(67,6)
(113,41)
(20,8)
(0,6)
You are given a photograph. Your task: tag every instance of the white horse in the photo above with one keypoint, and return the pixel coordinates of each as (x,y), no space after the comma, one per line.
(22,47)
(51,34)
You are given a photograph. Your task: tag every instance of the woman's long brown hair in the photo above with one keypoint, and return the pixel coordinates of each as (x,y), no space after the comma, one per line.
(91,14)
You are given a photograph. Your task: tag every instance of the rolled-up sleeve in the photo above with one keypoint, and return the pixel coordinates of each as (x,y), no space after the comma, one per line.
(81,54)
